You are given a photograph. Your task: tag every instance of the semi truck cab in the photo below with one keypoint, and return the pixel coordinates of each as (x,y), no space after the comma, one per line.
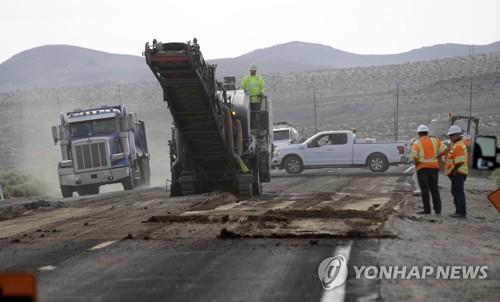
(101,146)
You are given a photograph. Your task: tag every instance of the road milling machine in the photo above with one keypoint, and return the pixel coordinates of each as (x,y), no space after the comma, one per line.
(217,142)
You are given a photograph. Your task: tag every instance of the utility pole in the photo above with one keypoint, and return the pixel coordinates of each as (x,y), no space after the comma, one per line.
(496,77)
(470,90)
(496,80)
(58,105)
(470,107)
(315,115)
(396,114)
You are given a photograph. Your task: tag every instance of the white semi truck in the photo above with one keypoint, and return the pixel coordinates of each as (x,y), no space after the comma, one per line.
(101,146)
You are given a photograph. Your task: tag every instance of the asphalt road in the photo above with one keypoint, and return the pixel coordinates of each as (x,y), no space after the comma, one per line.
(184,270)
(79,253)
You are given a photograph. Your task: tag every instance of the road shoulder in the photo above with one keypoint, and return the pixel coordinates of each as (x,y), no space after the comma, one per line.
(434,241)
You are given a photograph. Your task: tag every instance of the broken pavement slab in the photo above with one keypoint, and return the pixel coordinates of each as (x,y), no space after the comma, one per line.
(350,212)
(340,207)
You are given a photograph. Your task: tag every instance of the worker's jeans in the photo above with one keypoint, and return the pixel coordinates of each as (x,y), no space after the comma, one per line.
(458,192)
(428,181)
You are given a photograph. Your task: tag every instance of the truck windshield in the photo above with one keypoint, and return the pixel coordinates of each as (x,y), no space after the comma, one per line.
(92,128)
(279,135)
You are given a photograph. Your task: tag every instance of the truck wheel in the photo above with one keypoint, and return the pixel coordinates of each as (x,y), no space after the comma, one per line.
(128,183)
(67,191)
(378,162)
(137,174)
(293,165)
(145,172)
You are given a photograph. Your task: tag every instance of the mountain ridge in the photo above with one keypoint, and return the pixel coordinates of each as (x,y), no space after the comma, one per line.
(62,65)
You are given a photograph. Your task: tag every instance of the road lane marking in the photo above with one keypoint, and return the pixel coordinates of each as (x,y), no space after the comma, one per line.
(409,169)
(338,293)
(46,268)
(102,245)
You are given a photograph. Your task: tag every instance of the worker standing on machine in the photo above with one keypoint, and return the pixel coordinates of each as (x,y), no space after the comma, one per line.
(254,86)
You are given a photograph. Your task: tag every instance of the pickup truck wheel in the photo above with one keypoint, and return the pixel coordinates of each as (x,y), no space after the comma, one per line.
(293,164)
(378,162)
(67,191)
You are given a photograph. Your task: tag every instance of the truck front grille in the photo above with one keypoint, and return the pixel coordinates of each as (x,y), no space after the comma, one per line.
(91,155)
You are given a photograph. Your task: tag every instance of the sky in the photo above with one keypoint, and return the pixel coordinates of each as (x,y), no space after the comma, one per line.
(233,27)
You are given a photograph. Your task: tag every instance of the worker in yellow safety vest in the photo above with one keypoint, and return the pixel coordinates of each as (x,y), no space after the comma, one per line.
(457,168)
(425,151)
(254,86)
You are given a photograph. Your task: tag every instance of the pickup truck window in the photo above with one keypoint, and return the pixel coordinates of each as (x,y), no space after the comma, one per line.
(338,139)
(320,141)
(329,139)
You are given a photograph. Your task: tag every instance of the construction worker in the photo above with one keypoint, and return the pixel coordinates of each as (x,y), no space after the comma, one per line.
(254,86)
(456,167)
(425,151)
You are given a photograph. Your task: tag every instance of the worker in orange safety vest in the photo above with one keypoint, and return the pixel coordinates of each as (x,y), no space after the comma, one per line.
(456,167)
(425,151)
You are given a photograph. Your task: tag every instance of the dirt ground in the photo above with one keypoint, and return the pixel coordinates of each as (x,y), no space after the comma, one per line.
(445,241)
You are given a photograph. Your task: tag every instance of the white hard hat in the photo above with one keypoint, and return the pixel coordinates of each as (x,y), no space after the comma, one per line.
(253,66)
(454,130)
(422,128)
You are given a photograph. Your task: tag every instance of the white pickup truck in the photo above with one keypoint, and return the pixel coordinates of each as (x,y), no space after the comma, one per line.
(340,149)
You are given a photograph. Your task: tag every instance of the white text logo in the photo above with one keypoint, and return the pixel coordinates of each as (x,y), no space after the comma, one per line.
(450,272)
